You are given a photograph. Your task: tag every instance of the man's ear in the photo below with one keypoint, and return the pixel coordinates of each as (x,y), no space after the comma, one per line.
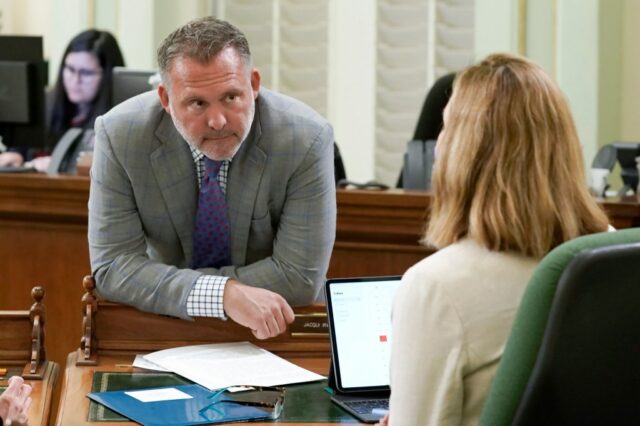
(255,82)
(163,93)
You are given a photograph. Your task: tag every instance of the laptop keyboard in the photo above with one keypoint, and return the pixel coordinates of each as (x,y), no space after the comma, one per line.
(366,405)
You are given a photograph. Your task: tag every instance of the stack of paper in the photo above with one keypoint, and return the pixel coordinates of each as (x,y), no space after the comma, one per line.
(222,365)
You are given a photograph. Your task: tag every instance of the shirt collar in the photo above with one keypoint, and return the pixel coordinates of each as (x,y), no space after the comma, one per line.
(198,155)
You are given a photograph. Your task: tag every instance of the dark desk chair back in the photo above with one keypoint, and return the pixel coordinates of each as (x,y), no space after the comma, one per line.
(573,356)
(430,120)
(338,165)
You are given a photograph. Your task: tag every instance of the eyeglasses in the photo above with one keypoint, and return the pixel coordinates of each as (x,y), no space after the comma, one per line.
(268,397)
(82,73)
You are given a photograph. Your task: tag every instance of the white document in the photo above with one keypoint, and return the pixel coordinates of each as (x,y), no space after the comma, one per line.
(221,365)
(154,395)
(140,362)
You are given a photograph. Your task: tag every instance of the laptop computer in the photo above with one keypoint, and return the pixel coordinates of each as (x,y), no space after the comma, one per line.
(359,314)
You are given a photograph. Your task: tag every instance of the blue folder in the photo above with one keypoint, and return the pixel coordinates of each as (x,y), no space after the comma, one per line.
(192,411)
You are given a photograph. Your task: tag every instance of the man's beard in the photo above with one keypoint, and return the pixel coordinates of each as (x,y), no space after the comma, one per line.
(197,143)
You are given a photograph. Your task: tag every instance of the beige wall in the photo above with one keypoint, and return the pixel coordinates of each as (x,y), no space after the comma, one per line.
(590,46)
(28,17)
(24,16)
(630,86)
(610,71)
(586,46)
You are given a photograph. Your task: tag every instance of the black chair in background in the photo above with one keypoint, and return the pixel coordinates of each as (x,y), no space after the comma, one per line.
(430,119)
(341,175)
(338,165)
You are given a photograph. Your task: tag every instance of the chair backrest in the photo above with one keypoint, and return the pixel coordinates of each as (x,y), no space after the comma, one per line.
(418,165)
(573,355)
(430,119)
(338,164)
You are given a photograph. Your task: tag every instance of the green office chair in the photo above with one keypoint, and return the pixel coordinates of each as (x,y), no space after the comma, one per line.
(573,356)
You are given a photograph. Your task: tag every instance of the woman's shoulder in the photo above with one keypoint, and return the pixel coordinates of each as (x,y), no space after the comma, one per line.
(466,253)
(452,257)
(466,263)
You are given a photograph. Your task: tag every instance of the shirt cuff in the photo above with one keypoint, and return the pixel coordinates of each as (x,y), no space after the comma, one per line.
(206,297)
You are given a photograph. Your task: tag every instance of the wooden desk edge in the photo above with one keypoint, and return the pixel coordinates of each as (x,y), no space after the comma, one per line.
(48,385)
(41,394)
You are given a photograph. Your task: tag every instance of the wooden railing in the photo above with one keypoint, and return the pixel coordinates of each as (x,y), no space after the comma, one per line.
(113,329)
(22,338)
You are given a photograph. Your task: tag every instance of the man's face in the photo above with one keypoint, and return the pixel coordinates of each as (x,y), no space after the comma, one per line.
(212,105)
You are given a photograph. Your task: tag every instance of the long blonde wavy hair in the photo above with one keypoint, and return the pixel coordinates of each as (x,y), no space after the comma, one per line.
(509,171)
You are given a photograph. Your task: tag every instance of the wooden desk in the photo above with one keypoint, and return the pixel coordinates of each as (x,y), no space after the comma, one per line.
(22,353)
(115,333)
(378,232)
(41,395)
(43,240)
(74,405)
(624,212)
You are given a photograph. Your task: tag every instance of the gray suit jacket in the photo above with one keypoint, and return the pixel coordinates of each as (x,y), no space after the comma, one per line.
(143,199)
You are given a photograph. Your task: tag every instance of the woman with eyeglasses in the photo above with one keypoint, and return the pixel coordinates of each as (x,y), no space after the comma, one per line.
(82,91)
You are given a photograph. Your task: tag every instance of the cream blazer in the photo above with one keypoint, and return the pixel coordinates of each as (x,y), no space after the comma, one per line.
(451,318)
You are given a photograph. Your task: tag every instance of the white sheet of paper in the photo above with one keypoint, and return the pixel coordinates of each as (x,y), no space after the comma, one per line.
(140,362)
(153,395)
(221,365)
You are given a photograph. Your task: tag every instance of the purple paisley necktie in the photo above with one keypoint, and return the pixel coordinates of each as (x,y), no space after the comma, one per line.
(211,233)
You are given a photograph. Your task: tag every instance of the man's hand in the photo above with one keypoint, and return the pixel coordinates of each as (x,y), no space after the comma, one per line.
(266,313)
(383,421)
(15,402)
(41,164)
(11,159)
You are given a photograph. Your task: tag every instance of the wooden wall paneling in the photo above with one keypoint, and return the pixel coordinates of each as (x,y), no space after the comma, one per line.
(43,241)
(378,232)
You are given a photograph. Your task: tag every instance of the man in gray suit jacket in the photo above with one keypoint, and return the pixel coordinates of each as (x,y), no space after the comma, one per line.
(277,177)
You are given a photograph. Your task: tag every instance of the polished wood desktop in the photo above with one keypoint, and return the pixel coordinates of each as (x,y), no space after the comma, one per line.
(74,404)
(41,395)
(22,352)
(43,240)
(114,334)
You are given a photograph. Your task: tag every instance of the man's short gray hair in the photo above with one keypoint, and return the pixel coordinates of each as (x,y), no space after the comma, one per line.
(201,40)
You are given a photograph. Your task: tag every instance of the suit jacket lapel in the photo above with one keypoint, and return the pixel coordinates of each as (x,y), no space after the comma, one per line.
(243,183)
(177,183)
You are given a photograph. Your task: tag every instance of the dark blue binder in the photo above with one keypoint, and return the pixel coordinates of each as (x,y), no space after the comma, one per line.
(204,407)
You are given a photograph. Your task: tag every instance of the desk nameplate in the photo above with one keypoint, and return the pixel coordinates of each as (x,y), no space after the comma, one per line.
(314,325)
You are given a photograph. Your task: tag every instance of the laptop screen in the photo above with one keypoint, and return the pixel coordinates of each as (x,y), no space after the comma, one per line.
(359,312)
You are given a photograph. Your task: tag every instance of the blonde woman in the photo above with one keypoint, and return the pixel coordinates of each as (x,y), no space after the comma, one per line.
(508,187)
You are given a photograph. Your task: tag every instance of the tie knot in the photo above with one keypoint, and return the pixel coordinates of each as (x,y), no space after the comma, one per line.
(212,167)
